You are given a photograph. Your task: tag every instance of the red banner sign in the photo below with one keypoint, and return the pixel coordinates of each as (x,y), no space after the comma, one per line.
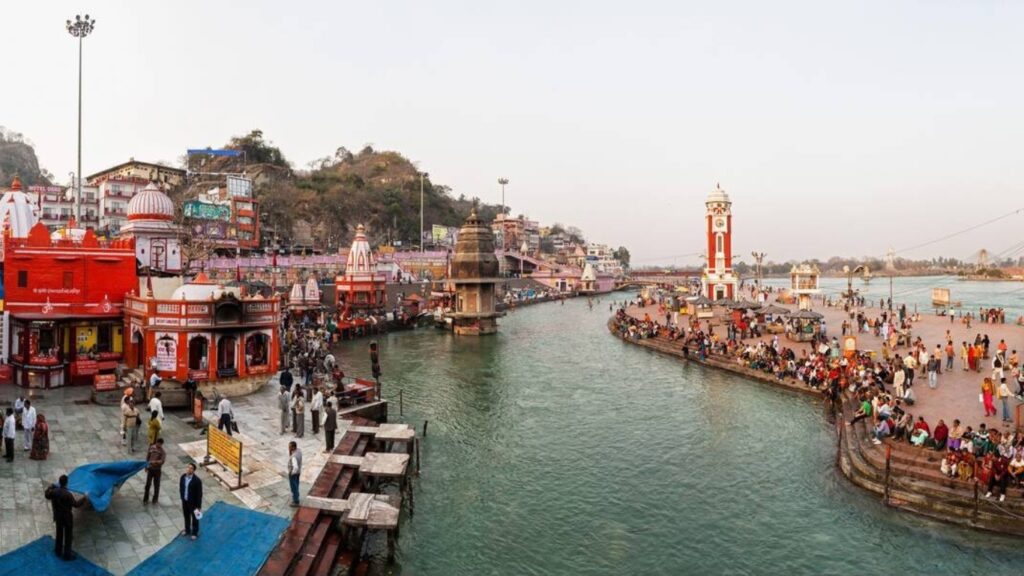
(103,382)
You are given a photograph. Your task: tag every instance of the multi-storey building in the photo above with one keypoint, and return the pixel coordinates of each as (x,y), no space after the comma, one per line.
(228,214)
(165,176)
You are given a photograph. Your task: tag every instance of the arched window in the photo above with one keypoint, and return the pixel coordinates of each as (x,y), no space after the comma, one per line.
(719,243)
(257,348)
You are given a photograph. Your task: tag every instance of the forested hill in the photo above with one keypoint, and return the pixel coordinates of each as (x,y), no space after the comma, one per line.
(18,157)
(380,189)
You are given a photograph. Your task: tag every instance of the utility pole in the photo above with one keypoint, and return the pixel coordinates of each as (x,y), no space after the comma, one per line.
(422,175)
(503,182)
(80,28)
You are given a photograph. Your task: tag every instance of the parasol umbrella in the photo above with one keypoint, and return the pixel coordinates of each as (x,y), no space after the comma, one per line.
(701,301)
(741,305)
(773,310)
(726,302)
(806,315)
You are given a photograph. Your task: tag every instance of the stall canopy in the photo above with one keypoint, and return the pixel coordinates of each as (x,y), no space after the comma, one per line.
(744,305)
(701,301)
(772,310)
(805,315)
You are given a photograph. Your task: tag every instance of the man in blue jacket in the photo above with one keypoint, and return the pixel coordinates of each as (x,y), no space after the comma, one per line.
(190,488)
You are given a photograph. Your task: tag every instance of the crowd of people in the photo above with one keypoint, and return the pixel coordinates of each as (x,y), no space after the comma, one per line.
(880,386)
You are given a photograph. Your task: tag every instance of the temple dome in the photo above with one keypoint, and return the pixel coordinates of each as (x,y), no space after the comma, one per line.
(360,259)
(16,211)
(717,195)
(150,204)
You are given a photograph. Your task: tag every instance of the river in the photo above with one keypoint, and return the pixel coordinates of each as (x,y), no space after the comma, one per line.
(554,448)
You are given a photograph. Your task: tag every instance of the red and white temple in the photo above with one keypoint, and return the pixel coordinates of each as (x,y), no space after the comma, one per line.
(205,331)
(362,287)
(64,296)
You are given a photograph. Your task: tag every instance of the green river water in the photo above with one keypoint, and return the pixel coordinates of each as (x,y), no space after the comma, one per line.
(554,448)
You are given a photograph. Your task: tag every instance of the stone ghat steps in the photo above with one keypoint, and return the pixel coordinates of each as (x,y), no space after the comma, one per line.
(312,545)
(918,486)
(916,483)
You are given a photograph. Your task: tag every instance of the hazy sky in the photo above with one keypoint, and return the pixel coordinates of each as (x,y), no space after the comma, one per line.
(836,129)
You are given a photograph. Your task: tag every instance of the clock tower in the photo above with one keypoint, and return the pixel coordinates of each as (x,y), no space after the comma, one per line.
(719,280)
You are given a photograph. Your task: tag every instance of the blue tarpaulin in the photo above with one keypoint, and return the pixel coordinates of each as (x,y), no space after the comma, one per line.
(233,541)
(37,557)
(213,152)
(100,480)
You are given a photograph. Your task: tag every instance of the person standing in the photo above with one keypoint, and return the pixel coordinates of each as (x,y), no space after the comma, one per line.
(314,409)
(190,489)
(330,426)
(1003,393)
(284,406)
(225,415)
(10,431)
(28,424)
(933,364)
(294,470)
(153,432)
(286,379)
(40,440)
(299,409)
(157,405)
(155,458)
(63,504)
(987,390)
(132,423)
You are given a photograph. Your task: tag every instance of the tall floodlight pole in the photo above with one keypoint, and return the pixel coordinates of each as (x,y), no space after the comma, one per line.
(758,258)
(80,28)
(422,176)
(503,182)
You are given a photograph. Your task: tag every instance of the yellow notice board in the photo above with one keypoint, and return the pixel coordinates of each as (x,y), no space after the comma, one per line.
(225,449)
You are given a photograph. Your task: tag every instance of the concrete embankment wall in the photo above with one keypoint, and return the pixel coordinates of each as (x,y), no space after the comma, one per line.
(909,481)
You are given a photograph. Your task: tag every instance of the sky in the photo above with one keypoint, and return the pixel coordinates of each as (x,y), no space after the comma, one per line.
(836,128)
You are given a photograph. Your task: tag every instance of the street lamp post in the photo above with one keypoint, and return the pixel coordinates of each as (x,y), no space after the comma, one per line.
(503,182)
(422,176)
(758,258)
(80,28)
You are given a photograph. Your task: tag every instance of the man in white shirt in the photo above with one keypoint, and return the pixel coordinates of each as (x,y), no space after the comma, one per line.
(225,415)
(10,432)
(28,422)
(157,405)
(314,409)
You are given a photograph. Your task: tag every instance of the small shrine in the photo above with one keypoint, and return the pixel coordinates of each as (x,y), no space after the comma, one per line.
(362,287)
(474,275)
(205,330)
(304,299)
(804,284)
(151,224)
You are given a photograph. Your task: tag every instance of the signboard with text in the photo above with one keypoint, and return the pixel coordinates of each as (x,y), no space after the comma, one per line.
(225,450)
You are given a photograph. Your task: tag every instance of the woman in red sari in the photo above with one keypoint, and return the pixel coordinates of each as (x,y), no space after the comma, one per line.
(40,439)
(971,358)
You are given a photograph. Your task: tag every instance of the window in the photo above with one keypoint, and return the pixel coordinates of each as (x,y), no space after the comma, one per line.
(69,279)
(22,278)
(719,243)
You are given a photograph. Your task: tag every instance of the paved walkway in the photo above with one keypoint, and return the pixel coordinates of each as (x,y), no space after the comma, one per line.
(956,395)
(128,532)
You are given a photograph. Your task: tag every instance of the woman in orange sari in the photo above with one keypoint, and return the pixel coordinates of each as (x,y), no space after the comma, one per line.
(40,439)
(987,389)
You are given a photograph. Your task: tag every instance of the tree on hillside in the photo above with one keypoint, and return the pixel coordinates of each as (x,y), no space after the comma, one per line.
(257,150)
(622,255)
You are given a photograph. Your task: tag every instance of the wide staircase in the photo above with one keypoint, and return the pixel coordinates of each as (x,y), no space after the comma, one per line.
(914,482)
(316,543)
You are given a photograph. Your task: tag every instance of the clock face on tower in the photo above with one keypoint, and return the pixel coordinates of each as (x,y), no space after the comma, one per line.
(719,223)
